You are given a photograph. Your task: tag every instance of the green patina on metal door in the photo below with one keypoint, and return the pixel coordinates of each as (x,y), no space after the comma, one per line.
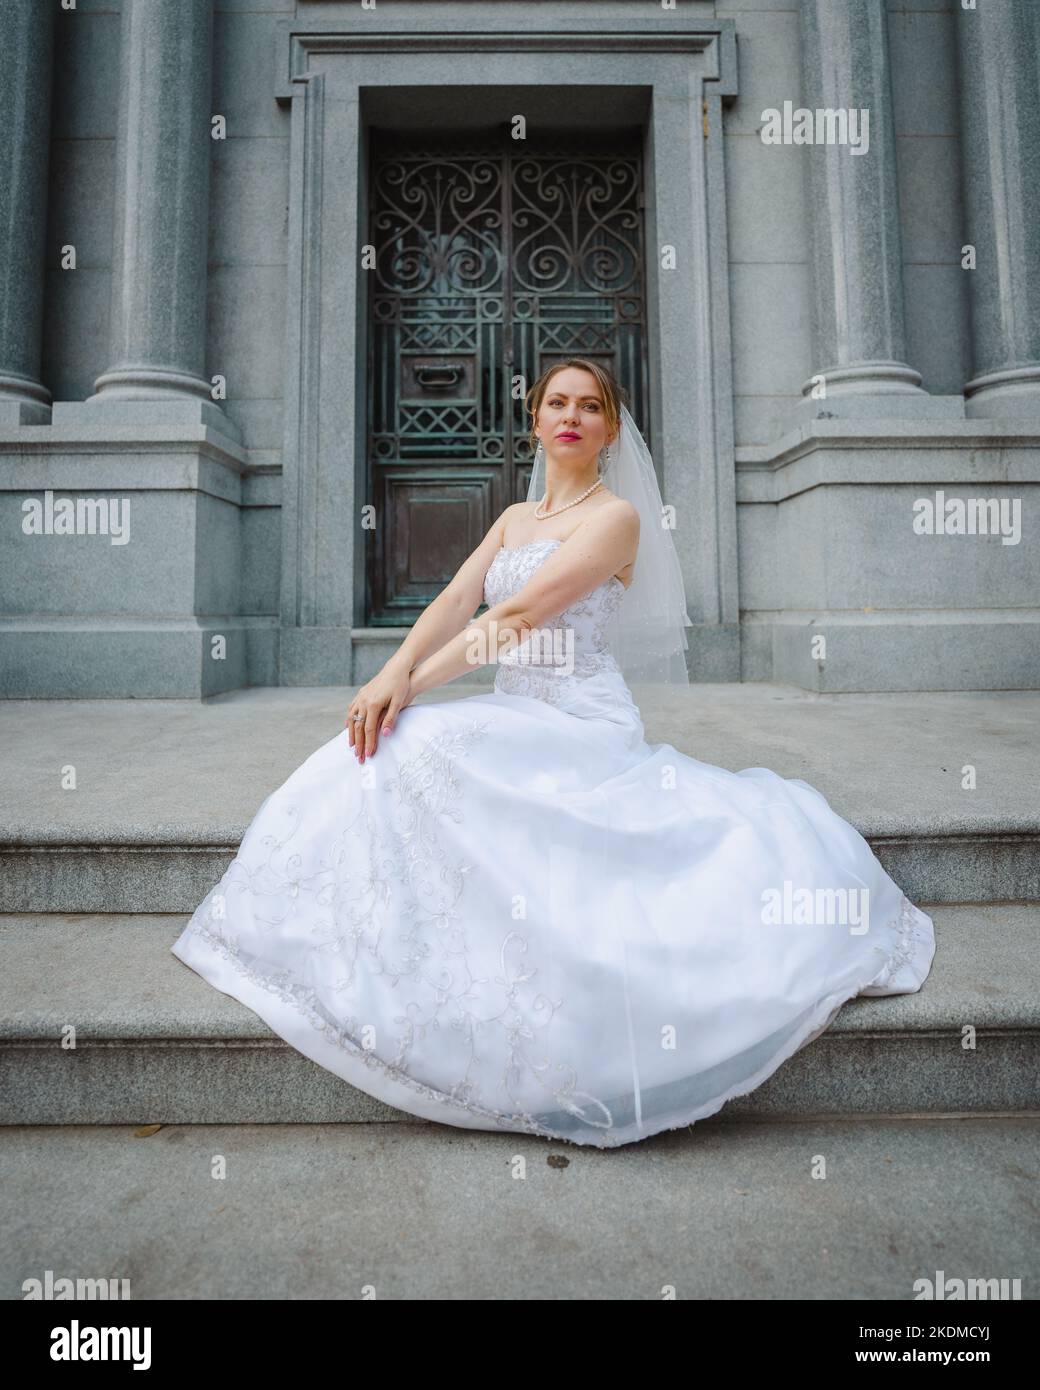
(493,258)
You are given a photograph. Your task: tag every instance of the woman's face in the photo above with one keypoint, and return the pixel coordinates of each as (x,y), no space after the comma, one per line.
(571,422)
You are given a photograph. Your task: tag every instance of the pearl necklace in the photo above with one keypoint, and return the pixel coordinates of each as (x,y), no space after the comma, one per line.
(543,515)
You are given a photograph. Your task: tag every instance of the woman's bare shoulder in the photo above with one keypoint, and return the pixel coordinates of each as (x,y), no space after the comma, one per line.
(621,509)
(512,514)
(516,511)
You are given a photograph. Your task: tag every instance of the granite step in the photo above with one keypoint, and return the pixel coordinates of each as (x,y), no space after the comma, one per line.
(169,868)
(156,1043)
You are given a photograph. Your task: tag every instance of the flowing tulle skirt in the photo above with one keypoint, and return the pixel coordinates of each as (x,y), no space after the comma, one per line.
(520,916)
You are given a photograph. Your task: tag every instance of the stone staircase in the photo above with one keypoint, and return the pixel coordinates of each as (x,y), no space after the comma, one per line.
(99,880)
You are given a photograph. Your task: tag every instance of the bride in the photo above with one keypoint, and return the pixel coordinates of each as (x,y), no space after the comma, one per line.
(508,911)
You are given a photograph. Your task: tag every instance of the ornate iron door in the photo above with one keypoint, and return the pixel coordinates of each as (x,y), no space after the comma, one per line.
(491,261)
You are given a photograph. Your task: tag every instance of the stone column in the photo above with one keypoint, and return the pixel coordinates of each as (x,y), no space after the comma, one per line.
(25,119)
(998,46)
(158,325)
(858,329)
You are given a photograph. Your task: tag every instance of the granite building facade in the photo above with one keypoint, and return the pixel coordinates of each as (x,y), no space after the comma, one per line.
(836,336)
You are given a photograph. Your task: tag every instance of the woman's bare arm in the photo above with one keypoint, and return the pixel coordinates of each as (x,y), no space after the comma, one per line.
(597,549)
(447,614)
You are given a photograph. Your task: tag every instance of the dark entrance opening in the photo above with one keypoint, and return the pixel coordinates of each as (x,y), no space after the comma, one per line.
(492,258)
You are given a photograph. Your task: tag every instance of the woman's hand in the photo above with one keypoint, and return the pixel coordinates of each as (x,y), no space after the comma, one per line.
(379,702)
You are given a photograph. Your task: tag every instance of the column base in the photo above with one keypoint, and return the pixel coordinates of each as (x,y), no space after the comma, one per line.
(142,410)
(1011,394)
(880,390)
(23,401)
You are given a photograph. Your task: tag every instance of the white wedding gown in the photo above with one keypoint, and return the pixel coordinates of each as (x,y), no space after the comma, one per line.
(518,915)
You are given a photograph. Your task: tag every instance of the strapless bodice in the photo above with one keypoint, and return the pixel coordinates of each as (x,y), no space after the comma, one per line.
(569,648)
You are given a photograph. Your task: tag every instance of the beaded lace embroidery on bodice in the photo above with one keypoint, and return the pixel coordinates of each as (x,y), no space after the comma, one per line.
(570,647)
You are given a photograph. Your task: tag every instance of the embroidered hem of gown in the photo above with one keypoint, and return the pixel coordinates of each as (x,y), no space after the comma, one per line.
(319,1038)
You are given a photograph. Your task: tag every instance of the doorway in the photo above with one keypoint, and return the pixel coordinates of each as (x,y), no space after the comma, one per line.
(491,259)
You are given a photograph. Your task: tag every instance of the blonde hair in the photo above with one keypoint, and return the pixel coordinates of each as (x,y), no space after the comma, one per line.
(613,394)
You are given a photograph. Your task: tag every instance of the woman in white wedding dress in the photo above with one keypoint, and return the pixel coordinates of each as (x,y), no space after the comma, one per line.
(508,911)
